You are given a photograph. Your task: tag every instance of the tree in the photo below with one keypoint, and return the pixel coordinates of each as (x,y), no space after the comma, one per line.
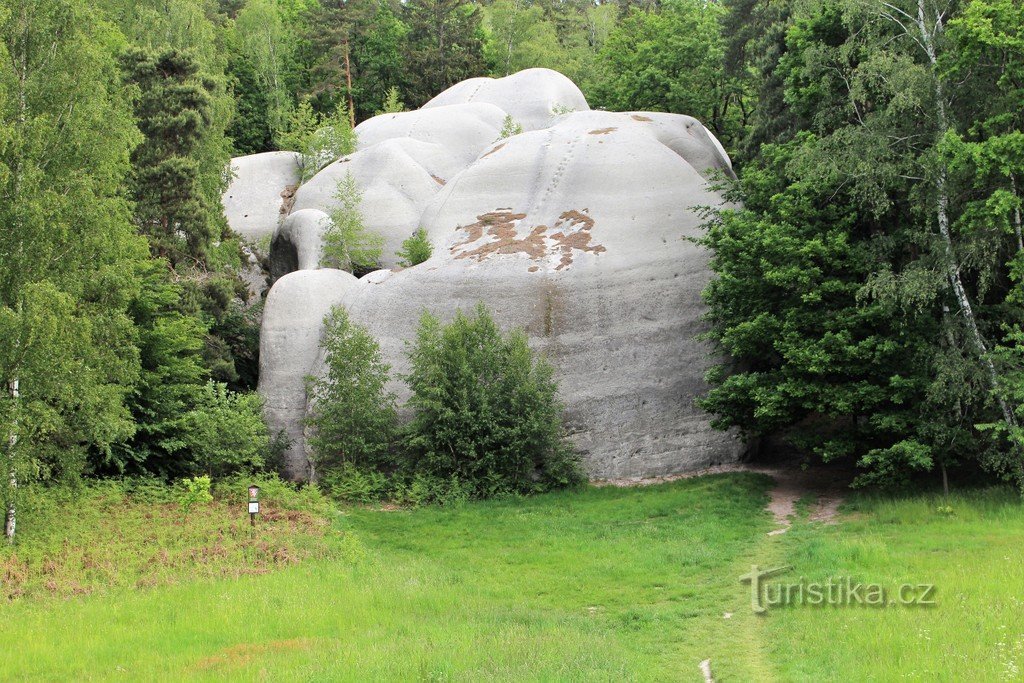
(224,432)
(170,344)
(174,207)
(485,411)
(347,244)
(520,37)
(352,414)
(444,46)
(263,54)
(251,130)
(67,248)
(392,103)
(671,61)
(861,288)
(415,249)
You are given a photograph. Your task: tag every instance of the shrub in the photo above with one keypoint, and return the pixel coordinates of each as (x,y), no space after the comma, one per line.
(319,140)
(392,103)
(352,413)
(509,127)
(485,411)
(415,249)
(224,431)
(347,243)
(192,491)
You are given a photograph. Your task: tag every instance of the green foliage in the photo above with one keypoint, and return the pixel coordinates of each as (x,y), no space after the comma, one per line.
(320,140)
(509,127)
(175,206)
(415,249)
(193,491)
(352,414)
(224,431)
(251,131)
(443,47)
(671,61)
(392,103)
(485,411)
(68,249)
(347,243)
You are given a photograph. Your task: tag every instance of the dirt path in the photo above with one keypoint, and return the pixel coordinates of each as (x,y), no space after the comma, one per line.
(792,484)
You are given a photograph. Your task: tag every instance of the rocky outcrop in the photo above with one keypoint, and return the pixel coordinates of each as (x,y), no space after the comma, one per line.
(261,186)
(578,231)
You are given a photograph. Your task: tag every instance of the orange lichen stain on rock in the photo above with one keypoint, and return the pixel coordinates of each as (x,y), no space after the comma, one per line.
(288,199)
(575,239)
(501,225)
(244,654)
(602,131)
(641,117)
(572,232)
(439,181)
(493,150)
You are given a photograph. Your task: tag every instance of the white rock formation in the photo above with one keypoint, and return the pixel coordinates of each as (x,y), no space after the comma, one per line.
(259,186)
(575,232)
(533,97)
(289,345)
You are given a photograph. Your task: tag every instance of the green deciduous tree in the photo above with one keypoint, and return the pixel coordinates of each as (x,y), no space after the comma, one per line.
(353,414)
(67,246)
(347,243)
(485,410)
(670,60)
(224,431)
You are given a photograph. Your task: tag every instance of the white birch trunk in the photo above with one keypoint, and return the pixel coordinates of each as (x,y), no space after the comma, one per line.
(12,473)
(942,214)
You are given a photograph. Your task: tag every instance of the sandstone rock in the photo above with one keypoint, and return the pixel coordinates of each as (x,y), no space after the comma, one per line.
(464,130)
(289,346)
(577,233)
(397,177)
(253,200)
(298,242)
(533,97)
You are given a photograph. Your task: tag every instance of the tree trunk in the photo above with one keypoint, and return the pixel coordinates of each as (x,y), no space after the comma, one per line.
(12,444)
(942,215)
(348,85)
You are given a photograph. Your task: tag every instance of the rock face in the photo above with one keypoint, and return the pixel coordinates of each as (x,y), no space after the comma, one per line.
(576,230)
(259,186)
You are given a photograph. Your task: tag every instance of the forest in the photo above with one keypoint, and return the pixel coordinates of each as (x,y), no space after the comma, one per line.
(867,294)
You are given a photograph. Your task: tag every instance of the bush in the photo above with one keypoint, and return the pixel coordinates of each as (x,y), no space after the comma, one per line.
(192,491)
(347,243)
(415,250)
(485,411)
(351,412)
(224,431)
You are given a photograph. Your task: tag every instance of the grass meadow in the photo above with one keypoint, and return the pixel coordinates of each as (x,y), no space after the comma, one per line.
(600,584)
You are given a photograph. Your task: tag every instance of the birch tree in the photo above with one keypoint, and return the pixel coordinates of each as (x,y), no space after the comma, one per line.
(67,247)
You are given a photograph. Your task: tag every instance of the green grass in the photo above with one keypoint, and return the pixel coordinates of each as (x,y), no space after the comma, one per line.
(603,584)
(974,558)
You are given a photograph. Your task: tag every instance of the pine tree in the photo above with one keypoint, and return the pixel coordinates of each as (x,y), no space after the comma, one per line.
(174,206)
(444,46)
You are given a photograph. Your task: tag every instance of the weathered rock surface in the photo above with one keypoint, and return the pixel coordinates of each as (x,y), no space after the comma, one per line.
(259,186)
(397,177)
(533,97)
(575,232)
(289,345)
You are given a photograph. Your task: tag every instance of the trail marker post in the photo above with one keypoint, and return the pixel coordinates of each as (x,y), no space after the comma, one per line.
(254,503)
